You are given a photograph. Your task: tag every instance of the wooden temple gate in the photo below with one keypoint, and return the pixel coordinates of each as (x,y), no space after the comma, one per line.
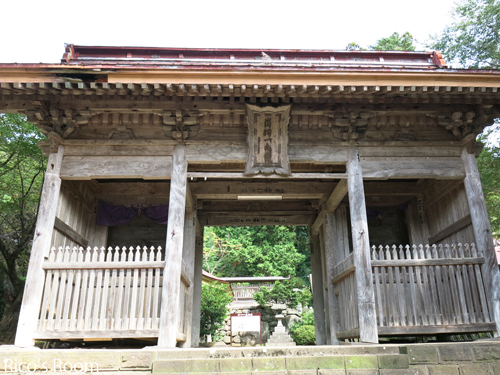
(379,163)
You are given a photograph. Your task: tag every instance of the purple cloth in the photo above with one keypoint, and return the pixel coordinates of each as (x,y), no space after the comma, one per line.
(159,214)
(111,215)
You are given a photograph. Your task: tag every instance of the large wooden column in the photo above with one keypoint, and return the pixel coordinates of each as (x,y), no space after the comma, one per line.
(198,267)
(361,247)
(33,290)
(317,289)
(331,255)
(482,232)
(170,296)
(188,255)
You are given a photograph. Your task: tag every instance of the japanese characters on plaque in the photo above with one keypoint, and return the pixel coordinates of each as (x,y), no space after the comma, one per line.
(268,140)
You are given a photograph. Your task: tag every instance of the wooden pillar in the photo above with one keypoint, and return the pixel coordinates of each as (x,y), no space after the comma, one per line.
(170,296)
(361,246)
(331,256)
(417,223)
(198,267)
(319,242)
(317,289)
(33,289)
(482,232)
(188,254)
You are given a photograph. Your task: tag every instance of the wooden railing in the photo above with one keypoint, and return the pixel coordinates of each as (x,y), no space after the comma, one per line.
(430,289)
(246,292)
(344,281)
(99,293)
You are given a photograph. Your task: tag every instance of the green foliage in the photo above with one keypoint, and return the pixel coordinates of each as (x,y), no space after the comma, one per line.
(256,251)
(289,292)
(301,331)
(488,164)
(473,38)
(353,46)
(304,335)
(214,300)
(22,166)
(395,42)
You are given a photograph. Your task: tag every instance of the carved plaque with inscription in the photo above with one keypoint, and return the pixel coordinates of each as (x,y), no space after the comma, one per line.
(268,140)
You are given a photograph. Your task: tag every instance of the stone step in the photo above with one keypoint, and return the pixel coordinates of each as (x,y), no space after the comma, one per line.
(281,364)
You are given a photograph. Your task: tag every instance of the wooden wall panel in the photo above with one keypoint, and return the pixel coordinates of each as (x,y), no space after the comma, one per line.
(75,209)
(448,217)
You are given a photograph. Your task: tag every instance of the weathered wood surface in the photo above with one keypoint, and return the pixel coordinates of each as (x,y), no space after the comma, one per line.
(198,268)
(233,219)
(446,212)
(317,290)
(188,261)
(268,140)
(450,229)
(65,229)
(331,204)
(482,232)
(416,168)
(417,221)
(118,292)
(436,329)
(429,286)
(89,167)
(171,298)
(332,250)
(361,249)
(33,289)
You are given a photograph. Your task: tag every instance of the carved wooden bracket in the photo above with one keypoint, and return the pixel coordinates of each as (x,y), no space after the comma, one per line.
(268,140)
(181,125)
(52,120)
(350,126)
(462,124)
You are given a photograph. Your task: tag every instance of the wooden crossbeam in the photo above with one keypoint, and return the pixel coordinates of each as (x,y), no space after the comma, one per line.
(332,203)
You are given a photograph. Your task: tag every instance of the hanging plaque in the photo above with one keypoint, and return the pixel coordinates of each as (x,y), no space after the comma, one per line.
(268,140)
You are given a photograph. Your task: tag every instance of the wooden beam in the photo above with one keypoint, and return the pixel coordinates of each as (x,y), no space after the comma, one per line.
(361,247)
(235,175)
(33,290)
(331,204)
(338,194)
(482,232)
(450,229)
(69,232)
(170,298)
(433,330)
(237,220)
(90,167)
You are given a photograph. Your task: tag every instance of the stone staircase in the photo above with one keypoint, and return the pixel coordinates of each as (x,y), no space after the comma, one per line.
(474,358)
(311,360)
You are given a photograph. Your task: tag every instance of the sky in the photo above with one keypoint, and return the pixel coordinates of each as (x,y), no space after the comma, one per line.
(34,31)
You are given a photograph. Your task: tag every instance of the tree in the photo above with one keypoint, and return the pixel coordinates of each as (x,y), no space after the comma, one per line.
(473,38)
(22,167)
(256,251)
(488,164)
(473,41)
(214,300)
(395,42)
(291,292)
